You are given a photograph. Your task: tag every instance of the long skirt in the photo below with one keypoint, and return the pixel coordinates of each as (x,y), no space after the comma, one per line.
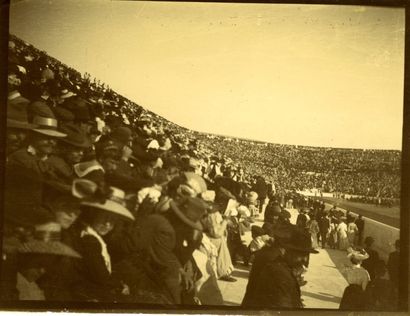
(343,243)
(352,238)
(353,298)
(224,264)
(315,242)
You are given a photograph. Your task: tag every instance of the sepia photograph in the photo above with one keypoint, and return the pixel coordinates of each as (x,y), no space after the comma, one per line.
(230,156)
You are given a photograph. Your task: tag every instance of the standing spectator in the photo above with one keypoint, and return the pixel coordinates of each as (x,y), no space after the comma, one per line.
(379,290)
(393,266)
(342,234)
(369,264)
(333,235)
(352,232)
(302,219)
(313,230)
(360,228)
(353,296)
(276,285)
(261,188)
(324,228)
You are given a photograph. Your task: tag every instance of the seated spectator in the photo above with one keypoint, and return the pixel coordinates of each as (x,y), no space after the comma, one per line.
(100,211)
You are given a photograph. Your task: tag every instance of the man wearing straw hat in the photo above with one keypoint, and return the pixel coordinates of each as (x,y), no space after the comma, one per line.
(41,142)
(38,255)
(17,122)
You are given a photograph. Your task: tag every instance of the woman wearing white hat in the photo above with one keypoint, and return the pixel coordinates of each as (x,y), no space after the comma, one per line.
(358,278)
(101,210)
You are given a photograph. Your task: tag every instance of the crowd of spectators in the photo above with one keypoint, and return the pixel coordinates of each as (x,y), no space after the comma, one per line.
(362,173)
(106,201)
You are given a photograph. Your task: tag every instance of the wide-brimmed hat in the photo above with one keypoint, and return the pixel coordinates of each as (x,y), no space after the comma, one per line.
(47,74)
(113,202)
(190,211)
(63,115)
(75,136)
(122,134)
(47,126)
(195,182)
(39,108)
(223,195)
(208,196)
(358,254)
(46,241)
(65,94)
(251,197)
(299,241)
(274,209)
(285,214)
(17,112)
(23,197)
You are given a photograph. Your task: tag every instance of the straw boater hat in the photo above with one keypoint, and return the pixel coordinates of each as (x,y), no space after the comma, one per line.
(17,112)
(46,241)
(47,126)
(114,202)
(252,197)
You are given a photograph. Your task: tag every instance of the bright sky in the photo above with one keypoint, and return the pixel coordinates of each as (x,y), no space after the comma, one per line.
(294,74)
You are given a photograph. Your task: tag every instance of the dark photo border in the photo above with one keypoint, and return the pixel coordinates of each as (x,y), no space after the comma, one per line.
(404,296)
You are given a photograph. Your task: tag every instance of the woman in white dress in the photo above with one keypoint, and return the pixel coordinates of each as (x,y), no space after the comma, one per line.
(352,232)
(342,234)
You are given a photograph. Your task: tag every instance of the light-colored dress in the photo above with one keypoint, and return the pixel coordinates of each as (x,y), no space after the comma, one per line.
(352,232)
(216,226)
(314,230)
(358,275)
(342,236)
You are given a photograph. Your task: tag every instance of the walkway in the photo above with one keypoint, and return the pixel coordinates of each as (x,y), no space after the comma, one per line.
(325,281)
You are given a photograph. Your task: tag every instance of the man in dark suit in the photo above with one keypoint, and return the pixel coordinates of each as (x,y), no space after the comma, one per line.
(274,284)
(324,226)
(168,241)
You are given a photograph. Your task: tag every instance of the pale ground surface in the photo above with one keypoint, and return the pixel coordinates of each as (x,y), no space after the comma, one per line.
(325,281)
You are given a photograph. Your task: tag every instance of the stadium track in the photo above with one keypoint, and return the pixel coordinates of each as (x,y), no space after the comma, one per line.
(385,219)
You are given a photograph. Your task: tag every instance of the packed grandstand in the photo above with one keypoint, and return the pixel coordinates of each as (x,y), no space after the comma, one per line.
(135,150)
(365,175)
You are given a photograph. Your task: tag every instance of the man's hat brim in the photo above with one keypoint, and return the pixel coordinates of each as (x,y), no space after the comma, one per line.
(48,247)
(20,125)
(183,218)
(299,249)
(49,132)
(112,207)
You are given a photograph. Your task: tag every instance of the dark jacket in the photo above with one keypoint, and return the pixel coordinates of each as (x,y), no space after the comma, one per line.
(369,264)
(158,243)
(324,224)
(96,281)
(261,188)
(276,287)
(262,257)
(393,265)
